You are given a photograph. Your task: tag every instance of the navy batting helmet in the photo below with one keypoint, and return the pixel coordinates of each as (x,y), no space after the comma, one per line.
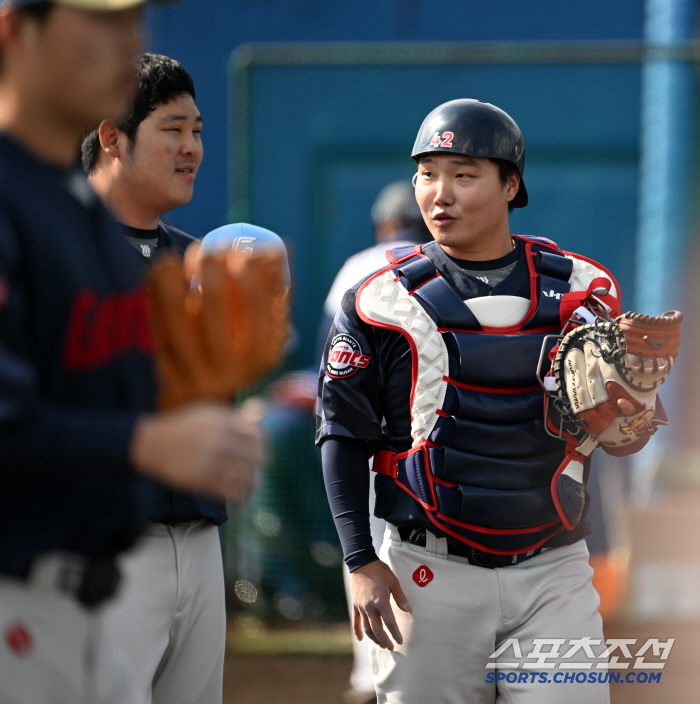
(474,128)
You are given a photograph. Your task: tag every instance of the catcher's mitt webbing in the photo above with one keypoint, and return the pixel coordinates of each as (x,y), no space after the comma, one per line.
(222,334)
(652,346)
(598,364)
(656,335)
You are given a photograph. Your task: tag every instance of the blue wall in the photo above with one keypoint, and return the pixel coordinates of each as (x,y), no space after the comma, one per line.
(324,139)
(203,33)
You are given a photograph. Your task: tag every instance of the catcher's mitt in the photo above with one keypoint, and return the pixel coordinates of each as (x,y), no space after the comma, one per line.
(602,362)
(221,335)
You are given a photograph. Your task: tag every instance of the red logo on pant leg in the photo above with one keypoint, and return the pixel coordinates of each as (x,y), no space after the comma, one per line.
(19,639)
(423,575)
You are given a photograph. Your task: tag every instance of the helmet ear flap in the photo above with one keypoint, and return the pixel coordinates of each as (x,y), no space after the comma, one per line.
(414,179)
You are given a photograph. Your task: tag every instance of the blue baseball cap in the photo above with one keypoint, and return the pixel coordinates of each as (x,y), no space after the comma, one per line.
(248,239)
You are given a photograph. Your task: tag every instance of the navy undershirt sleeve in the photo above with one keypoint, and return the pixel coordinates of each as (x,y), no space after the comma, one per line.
(346,474)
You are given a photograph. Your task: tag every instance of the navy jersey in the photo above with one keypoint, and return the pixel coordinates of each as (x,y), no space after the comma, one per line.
(367,395)
(372,402)
(76,367)
(167,505)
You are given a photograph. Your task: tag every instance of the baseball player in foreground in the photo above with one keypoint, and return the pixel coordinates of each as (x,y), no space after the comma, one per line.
(480,371)
(169,615)
(78,425)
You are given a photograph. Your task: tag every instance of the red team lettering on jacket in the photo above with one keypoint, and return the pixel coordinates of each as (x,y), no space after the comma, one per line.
(102,329)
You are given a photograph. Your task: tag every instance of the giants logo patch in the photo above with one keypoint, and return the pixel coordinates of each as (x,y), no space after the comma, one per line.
(345,357)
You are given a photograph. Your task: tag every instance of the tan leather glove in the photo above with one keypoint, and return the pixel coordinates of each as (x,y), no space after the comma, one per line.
(600,363)
(222,334)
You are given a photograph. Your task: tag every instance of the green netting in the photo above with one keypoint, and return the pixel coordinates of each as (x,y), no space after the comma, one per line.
(282,555)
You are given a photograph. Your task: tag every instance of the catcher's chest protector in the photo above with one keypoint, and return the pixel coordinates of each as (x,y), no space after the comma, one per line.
(481,465)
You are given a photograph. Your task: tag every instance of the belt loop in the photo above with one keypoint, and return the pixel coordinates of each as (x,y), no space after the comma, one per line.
(89,583)
(392,533)
(435,546)
(56,570)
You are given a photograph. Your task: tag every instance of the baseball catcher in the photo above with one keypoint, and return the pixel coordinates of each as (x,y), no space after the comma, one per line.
(431,367)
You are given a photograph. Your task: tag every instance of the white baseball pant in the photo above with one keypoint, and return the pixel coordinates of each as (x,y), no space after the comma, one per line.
(170,614)
(464,613)
(54,651)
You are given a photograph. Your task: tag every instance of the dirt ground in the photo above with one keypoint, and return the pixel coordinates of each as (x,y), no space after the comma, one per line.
(321,679)
(680,678)
(285,679)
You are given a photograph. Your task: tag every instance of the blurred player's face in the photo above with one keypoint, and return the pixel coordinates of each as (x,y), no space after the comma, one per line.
(161,165)
(465,205)
(79,64)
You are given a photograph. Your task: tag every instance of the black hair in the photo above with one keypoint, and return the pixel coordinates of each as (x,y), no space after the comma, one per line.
(505,170)
(159,80)
(40,11)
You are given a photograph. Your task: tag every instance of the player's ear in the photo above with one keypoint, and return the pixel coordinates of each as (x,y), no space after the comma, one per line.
(109,138)
(512,185)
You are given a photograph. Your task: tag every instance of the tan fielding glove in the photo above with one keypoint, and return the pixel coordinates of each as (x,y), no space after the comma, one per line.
(221,335)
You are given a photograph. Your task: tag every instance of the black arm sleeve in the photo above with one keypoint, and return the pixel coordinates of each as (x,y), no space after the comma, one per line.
(346,474)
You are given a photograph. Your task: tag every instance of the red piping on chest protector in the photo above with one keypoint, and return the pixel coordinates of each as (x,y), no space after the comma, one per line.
(489,390)
(484,548)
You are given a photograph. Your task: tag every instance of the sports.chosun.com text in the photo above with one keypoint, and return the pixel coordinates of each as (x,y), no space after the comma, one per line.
(575,677)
